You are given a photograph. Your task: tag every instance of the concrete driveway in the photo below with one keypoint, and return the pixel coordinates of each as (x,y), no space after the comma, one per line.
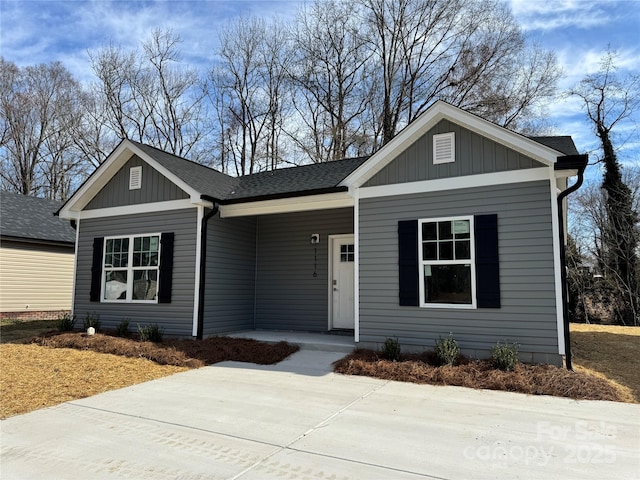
(297,420)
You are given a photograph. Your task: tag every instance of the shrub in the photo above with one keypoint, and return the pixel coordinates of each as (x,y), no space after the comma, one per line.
(391,349)
(65,323)
(122,330)
(505,356)
(91,320)
(447,350)
(151,333)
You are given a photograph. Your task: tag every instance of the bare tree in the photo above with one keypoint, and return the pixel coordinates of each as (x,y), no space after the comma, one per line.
(469,53)
(608,101)
(146,95)
(332,63)
(38,109)
(248,93)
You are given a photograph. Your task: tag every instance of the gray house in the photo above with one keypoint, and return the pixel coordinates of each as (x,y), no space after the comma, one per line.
(453,227)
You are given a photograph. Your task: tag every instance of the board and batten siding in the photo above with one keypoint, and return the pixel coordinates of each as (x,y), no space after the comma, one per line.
(155,188)
(35,277)
(474,153)
(527,285)
(288,295)
(176,317)
(230,275)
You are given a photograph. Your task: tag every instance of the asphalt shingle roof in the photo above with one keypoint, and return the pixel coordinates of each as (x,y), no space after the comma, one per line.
(33,218)
(562,144)
(285,181)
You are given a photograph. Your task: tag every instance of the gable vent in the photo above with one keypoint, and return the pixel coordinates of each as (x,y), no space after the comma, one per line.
(135,178)
(444,148)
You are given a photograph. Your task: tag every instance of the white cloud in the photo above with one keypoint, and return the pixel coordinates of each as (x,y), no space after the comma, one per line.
(550,15)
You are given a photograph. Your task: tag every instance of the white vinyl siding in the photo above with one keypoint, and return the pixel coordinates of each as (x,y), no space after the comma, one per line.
(35,277)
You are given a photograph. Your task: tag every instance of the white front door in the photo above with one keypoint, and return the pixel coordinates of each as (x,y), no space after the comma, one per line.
(341,282)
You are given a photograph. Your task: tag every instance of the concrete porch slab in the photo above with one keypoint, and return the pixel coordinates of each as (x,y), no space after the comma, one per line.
(309,341)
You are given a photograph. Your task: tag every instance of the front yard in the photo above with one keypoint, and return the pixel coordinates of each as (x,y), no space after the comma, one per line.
(48,370)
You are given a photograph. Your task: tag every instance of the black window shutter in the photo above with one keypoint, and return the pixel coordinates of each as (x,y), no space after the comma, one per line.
(96,269)
(487,265)
(408,262)
(166,268)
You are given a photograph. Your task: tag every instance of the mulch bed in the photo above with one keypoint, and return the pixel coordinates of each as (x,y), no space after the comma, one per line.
(182,353)
(530,379)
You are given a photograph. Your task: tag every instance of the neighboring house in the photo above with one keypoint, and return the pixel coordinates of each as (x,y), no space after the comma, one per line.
(452,227)
(36,258)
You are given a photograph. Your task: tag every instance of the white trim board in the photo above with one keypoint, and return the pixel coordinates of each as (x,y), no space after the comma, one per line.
(456,183)
(135,209)
(288,205)
(443,111)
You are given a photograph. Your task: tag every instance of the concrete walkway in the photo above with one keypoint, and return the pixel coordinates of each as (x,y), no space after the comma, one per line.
(296,420)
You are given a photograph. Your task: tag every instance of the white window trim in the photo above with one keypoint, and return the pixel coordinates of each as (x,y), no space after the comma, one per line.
(451,136)
(472,261)
(129,269)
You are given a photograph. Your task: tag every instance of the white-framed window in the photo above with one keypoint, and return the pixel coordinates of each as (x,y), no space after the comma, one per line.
(447,262)
(444,148)
(130,268)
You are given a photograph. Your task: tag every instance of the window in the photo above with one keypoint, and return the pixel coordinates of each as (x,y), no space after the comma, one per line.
(432,267)
(131,268)
(346,253)
(444,148)
(446,262)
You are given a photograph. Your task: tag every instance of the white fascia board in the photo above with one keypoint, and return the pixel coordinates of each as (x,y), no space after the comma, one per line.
(456,183)
(288,205)
(565,173)
(123,152)
(138,209)
(434,114)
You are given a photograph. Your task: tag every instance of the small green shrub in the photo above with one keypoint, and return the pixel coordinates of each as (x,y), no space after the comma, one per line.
(447,350)
(151,333)
(122,330)
(391,349)
(65,323)
(505,356)
(91,320)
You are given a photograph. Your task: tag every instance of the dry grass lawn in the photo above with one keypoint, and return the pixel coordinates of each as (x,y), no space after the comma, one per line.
(55,368)
(33,377)
(611,352)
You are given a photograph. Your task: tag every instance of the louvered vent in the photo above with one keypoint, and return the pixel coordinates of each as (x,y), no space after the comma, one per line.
(135,178)
(444,148)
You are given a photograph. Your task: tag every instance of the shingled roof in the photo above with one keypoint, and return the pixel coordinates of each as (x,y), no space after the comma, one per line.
(30,218)
(563,144)
(292,181)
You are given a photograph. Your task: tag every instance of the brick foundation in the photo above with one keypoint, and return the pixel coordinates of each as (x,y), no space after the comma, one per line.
(34,315)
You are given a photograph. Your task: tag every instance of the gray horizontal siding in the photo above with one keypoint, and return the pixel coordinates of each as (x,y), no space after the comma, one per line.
(230,275)
(528,312)
(474,155)
(288,296)
(155,188)
(175,317)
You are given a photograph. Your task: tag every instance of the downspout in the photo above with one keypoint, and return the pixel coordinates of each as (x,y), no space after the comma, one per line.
(570,162)
(203,268)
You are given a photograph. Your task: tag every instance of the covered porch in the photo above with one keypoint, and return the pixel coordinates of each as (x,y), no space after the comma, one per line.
(333,342)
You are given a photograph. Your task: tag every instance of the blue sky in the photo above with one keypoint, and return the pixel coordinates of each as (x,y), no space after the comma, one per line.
(35,31)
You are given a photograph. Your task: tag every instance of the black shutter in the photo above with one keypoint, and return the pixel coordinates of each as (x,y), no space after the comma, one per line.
(487,265)
(408,262)
(165,280)
(96,269)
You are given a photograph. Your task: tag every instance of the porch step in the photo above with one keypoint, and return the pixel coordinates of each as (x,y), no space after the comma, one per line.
(307,341)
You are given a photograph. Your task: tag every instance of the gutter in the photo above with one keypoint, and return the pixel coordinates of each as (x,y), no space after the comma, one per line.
(202,270)
(570,162)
